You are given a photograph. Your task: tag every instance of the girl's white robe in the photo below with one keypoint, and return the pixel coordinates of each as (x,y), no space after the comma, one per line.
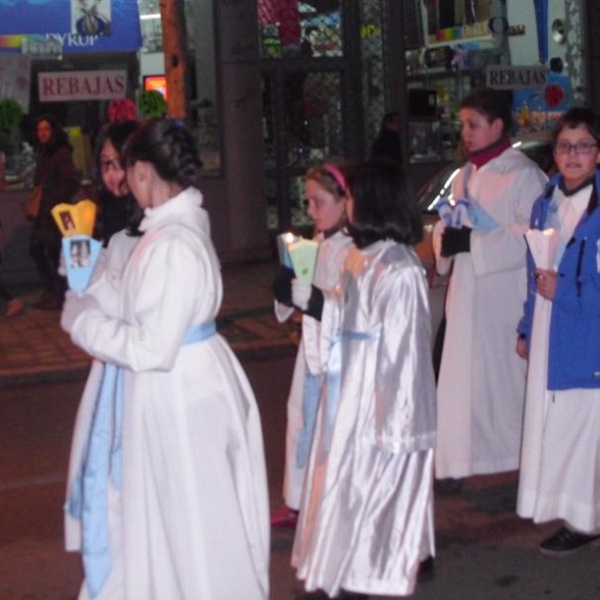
(366,517)
(330,259)
(481,385)
(191,520)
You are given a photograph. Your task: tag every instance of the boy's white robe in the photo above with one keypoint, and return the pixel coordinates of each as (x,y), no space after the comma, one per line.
(193,509)
(481,385)
(560,455)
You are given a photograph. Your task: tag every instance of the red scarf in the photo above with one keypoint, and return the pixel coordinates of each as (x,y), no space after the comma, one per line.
(483,156)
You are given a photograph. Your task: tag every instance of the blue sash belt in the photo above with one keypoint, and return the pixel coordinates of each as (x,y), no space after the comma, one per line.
(334,377)
(310,404)
(88,497)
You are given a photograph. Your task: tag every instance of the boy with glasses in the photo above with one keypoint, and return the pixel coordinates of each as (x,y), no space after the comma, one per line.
(560,336)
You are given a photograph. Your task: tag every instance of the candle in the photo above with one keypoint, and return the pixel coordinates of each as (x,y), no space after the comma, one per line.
(283,242)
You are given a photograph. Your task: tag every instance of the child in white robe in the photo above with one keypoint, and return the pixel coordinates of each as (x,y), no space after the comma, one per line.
(366,516)
(560,335)
(175,441)
(481,384)
(326,191)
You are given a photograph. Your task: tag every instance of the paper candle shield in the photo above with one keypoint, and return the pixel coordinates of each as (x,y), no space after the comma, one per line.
(81,254)
(75,219)
(283,242)
(304,255)
(543,246)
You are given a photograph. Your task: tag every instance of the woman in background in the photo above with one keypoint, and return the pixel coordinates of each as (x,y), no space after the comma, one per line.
(58,179)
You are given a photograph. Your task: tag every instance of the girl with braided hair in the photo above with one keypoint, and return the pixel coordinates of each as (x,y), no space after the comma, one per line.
(175,441)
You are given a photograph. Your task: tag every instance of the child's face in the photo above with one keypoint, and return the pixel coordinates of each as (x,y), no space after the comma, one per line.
(576,165)
(323,207)
(476,131)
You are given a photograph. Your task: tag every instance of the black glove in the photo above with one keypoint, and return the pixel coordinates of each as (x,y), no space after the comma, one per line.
(315,304)
(456,240)
(282,286)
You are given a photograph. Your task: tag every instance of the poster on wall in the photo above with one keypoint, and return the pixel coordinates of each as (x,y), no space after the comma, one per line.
(536,110)
(90,17)
(15,73)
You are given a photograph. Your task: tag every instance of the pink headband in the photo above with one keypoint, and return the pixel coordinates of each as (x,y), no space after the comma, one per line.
(337,175)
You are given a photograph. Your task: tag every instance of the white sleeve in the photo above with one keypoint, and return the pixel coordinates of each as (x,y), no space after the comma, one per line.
(160,296)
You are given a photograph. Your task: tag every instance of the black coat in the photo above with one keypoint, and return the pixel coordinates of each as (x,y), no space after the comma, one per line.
(56,173)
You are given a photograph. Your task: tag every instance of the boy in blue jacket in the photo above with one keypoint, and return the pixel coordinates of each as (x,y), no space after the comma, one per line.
(560,336)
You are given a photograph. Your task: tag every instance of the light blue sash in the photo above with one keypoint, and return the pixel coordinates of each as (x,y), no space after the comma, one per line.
(88,497)
(310,404)
(334,377)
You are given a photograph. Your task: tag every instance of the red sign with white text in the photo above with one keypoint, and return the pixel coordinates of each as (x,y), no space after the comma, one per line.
(71,86)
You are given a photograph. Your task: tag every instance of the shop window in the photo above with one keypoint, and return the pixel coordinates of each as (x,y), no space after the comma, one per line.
(289,28)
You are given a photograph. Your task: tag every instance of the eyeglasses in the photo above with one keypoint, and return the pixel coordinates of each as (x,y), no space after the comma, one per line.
(111,165)
(578,148)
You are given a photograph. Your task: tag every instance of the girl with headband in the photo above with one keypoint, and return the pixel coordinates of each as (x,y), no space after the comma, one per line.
(366,518)
(326,192)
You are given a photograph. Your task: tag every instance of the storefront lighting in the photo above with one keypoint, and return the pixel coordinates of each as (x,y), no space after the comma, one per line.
(150,16)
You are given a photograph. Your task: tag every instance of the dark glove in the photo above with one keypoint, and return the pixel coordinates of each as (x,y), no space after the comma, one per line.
(308,299)
(315,304)
(456,240)
(282,286)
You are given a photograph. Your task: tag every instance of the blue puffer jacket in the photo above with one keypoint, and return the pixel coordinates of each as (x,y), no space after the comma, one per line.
(574,352)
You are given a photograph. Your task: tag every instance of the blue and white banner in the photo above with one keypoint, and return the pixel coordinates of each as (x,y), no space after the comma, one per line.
(78,25)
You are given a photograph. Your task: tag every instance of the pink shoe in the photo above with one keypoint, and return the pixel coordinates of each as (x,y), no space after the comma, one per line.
(284,518)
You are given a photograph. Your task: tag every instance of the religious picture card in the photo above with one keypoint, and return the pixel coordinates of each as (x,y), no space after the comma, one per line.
(81,254)
(75,219)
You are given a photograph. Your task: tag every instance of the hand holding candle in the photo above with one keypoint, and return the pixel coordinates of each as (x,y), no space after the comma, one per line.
(283,242)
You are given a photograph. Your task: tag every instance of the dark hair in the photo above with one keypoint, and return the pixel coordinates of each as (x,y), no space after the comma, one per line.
(388,118)
(168,147)
(575,117)
(384,207)
(493,104)
(59,136)
(115,133)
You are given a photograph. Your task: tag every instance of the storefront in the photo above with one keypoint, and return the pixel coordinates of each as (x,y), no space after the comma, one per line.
(532,50)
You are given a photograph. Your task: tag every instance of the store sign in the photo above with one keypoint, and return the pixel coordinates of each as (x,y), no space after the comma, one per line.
(505,77)
(71,86)
(115,28)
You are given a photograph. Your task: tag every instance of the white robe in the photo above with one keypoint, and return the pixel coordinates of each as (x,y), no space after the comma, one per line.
(560,457)
(104,287)
(366,517)
(330,259)
(481,385)
(191,520)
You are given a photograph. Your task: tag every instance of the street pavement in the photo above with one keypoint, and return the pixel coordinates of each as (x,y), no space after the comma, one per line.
(33,347)
(484,551)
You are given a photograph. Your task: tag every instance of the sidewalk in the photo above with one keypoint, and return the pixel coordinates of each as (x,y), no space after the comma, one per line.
(33,347)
